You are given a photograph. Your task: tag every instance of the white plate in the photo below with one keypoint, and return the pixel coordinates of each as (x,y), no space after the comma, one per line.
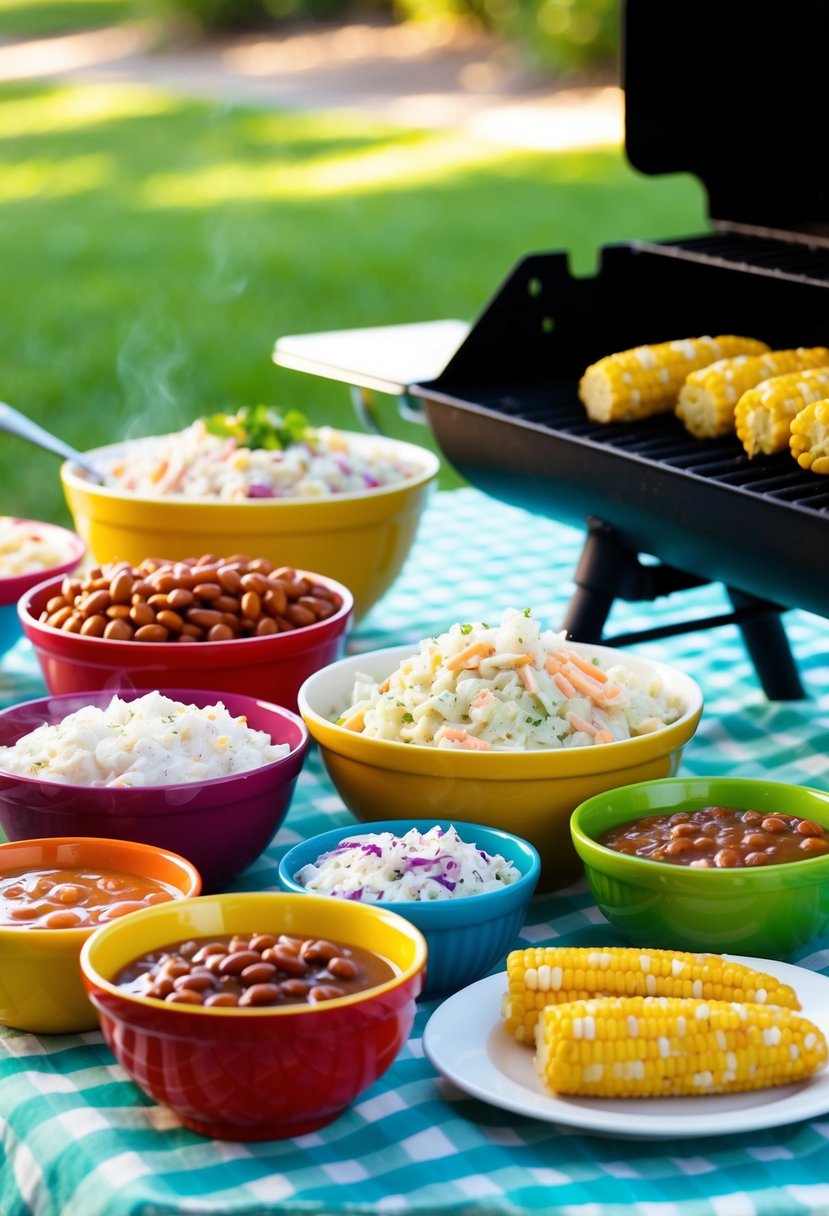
(465,1042)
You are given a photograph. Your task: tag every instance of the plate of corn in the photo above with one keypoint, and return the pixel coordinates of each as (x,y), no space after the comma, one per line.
(632,1042)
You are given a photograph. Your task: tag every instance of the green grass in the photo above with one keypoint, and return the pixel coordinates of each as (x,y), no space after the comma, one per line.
(154,248)
(36,19)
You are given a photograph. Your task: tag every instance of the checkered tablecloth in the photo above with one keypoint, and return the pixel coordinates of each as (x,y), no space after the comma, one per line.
(78,1139)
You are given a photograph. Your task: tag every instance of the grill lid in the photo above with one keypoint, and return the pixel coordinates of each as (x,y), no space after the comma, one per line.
(743,89)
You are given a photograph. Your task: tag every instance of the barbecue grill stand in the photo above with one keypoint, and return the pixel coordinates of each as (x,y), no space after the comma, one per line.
(504,407)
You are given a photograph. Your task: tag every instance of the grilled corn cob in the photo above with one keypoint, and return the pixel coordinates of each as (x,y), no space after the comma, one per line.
(809,440)
(646,380)
(709,395)
(645,1047)
(763,415)
(540,976)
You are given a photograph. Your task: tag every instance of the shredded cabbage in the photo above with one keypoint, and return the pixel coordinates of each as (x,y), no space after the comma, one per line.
(507,687)
(436,864)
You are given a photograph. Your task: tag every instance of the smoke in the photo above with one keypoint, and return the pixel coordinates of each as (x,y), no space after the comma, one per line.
(148,362)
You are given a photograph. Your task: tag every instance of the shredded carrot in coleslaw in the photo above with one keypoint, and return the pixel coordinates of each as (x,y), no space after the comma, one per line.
(508,687)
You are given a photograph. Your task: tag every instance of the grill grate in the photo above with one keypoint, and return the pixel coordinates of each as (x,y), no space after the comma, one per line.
(559,415)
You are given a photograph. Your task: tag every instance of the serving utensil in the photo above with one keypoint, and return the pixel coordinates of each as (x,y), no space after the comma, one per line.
(15,423)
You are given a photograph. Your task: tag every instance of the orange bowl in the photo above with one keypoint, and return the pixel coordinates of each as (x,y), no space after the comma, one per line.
(41,989)
(257,1073)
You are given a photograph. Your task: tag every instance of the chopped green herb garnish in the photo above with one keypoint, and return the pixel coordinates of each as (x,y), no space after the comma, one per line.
(466,629)
(527,611)
(260,426)
(408,717)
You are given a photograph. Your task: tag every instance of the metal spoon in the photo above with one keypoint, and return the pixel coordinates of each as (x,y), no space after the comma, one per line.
(15,423)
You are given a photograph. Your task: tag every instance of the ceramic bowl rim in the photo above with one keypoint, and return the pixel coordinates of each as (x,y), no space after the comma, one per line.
(487,901)
(13,586)
(66,937)
(176,694)
(642,871)
(430,462)
(254,645)
(386,753)
(406,976)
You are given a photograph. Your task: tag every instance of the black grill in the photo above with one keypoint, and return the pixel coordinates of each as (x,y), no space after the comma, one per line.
(505,410)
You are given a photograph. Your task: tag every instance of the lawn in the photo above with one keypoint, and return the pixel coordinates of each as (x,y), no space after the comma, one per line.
(154,248)
(42,18)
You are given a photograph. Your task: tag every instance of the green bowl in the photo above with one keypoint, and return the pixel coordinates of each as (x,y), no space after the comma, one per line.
(769,911)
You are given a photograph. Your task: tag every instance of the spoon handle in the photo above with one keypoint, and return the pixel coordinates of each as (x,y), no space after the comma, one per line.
(15,423)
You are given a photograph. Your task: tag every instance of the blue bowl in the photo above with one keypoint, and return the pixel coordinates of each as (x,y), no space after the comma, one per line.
(466,937)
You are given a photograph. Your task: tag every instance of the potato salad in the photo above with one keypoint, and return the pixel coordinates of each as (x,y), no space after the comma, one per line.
(152,740)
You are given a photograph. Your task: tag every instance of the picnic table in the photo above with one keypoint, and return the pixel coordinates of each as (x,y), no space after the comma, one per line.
(77,1138)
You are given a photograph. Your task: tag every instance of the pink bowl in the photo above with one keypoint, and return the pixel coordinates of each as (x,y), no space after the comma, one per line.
(14,585)
(221,825)
(273,667)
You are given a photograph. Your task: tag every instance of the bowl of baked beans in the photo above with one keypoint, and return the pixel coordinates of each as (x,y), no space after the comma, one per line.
(709,863)
(154,768)
(56,892)
(232,623)
(257,1015)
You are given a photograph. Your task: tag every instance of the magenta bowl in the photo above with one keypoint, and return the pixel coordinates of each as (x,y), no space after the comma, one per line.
(273,667)
(221,825)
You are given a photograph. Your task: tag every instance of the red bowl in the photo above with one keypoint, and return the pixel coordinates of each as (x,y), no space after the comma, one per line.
(273,667)
(256,1074)
(221,825)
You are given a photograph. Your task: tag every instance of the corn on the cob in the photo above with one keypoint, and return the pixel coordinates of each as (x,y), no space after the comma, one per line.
(539,976)
(646,380)
(809,440)
(647,1047)
(709,395)
(763,415)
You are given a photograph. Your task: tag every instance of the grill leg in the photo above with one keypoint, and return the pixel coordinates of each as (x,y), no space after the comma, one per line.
(768,646)
(598,576)
(609,570)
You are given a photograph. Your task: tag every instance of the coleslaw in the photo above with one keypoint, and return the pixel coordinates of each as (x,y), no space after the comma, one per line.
(511,686)
(415,867)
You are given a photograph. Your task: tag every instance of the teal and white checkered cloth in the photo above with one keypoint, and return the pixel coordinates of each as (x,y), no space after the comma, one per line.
(78,1139)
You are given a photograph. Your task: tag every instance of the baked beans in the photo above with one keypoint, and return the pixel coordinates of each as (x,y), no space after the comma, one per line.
(199,599)
(73,898)
(253,970)
(719,837)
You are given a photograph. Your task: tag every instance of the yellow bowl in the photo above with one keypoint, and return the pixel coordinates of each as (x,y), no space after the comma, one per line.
(360,539)
(41,987)
(530,793)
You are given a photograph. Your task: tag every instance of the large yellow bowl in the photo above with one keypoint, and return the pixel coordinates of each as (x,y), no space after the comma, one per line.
(530,793)
(360,539)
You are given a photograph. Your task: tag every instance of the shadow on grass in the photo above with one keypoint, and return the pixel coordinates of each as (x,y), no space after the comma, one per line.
(153,250)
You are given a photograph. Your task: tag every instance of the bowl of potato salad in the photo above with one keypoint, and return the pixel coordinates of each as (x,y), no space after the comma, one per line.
(507,725)
(342,503)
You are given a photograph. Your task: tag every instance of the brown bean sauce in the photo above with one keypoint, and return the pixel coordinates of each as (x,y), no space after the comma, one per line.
(719,837)
(254,970)
(68,897)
